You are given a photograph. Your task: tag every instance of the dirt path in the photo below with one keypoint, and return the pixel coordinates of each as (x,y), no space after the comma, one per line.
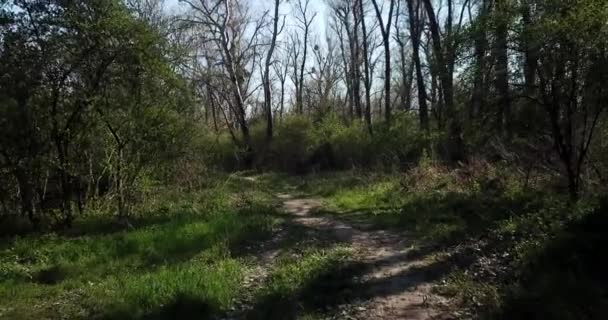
(397,283)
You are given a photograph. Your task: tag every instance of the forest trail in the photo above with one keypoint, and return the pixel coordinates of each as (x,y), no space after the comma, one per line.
(395,282)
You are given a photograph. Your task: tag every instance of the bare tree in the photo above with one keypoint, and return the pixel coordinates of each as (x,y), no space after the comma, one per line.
(355,58)
(281,69)
(337,25)
(501,77)
(343,10)
(294,56)
(225,23)
(445,70)
(407,70)
(385,30)
(325,74)
(415,23)
(480,43)
(368,81)
(266,76)
(305,20)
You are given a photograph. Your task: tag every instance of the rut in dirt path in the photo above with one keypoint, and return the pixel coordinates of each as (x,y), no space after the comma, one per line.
(395,284)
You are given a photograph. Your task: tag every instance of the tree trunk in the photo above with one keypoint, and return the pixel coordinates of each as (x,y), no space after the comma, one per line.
(415,31)
(368,102)
(385,30)
(455,145)
(122,212)
(480,45)
(356,66)
(501,80)
(26,192)
(530,51)
(267,93)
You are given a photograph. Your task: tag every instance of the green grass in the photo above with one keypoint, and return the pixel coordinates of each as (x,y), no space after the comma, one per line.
(176,259)
(521,246)
(440,212)
(302,283)
(183,256)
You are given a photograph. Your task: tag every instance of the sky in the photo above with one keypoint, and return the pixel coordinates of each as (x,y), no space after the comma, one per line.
(319,26)
(259,6)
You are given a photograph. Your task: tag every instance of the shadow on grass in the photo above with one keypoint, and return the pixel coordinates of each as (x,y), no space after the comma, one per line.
(567,279)
(160,244)
(443,219)
(328,288)
(342,284)
(286,236)
(181,307)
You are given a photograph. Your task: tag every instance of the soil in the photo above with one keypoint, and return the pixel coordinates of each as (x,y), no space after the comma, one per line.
(398,282)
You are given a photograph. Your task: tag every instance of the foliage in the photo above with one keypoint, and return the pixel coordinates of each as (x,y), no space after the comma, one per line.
(298,142)
(505,246)
(87,96)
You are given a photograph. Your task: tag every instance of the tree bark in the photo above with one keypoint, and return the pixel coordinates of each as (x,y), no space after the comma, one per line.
(480,47)
(368,100)
(455,145)
(501,80)
(267,93)
(355,56)
(415,33)
(385,30)
(530,51)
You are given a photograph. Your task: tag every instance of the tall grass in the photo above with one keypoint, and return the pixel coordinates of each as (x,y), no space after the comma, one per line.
(175,259)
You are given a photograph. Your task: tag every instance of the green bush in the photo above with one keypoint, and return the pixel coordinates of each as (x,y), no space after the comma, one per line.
(299,144)
(350,143)
(292,143)
(402,143)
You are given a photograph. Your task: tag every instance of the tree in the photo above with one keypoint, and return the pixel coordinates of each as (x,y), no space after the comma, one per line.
(341,24)
(445,66)
(480,44)
(572,71)
(367,80)
(304,20)
(501,81)
(386,35)
(281,70)
(266,76)
(60,88)
(415,24)
(224,23)
(407,70)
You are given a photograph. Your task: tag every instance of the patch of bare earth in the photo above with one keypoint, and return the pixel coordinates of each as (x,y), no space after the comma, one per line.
(396,284)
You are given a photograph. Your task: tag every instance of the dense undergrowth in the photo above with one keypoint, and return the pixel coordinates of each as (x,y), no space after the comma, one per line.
(302,145)
(509,250)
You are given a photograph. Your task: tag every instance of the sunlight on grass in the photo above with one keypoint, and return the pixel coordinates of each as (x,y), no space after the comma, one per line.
(208,288)
(300,282)
(183,258)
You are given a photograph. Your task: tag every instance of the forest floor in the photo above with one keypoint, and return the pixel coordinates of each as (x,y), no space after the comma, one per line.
(396,282)
(386,276)
(344,245)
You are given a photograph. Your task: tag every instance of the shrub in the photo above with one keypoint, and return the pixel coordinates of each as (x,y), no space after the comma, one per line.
(351,144)
(292,142)
(401,143)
